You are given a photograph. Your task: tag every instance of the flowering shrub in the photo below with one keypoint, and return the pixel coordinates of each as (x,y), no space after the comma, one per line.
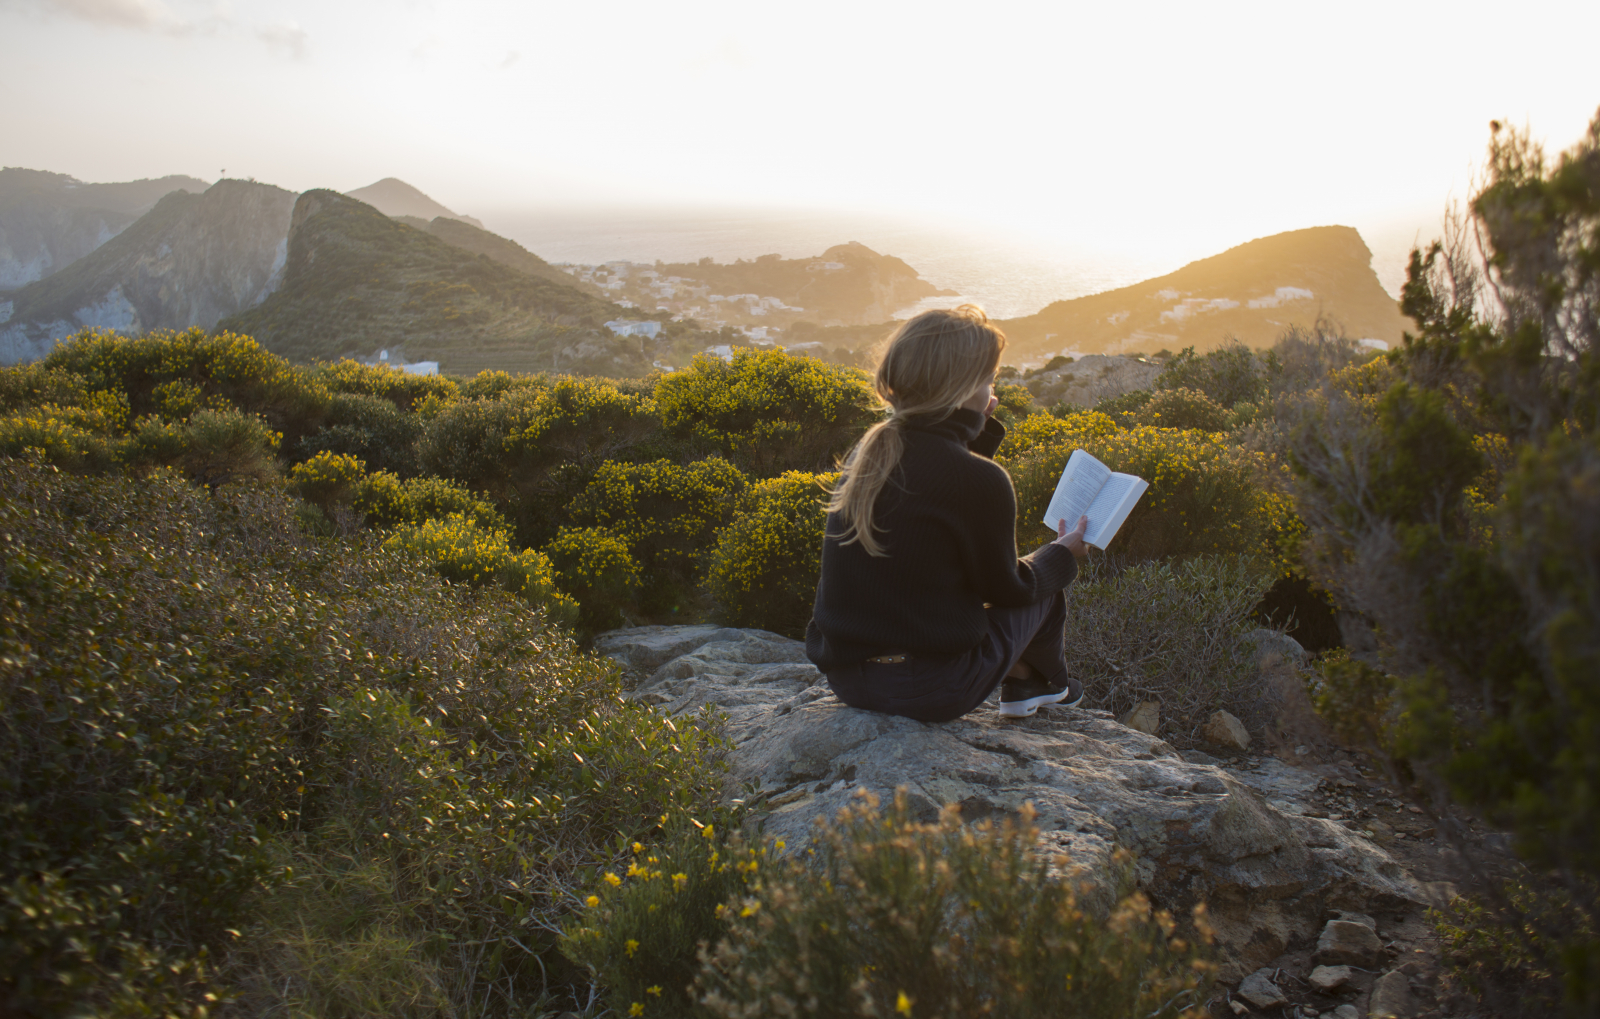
(370,428)
(327,479)
(943,920)
(767,410)
(763,571)
(644,925)
(383,500)
(1183,408)
(465,553)
(593,565)
(667,514)
(1206,496)
(403,390)
(1035,430)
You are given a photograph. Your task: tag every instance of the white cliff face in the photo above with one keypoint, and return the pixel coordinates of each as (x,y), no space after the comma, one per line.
(189,262)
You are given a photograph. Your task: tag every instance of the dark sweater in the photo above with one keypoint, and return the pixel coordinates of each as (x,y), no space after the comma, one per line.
(947,519)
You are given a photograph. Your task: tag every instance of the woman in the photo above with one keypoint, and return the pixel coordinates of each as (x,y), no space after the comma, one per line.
(923,606)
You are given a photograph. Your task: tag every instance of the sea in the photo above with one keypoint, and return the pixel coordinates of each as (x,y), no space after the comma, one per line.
(1009,273)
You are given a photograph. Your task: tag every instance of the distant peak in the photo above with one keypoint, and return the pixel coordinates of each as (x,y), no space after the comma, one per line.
(394,197)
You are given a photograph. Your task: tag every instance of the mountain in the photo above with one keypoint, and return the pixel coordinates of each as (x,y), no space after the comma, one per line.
(394,197)
(358,281)
(1254,292)
(849,284)
(463,235)
(50,220)
(190,261)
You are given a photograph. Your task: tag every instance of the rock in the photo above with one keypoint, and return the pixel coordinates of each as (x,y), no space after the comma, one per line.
(1198,757)
(1391,998)
(1259,990)
(1239,1007)
(1360,918)
(1270,642)
(1224,730)
(1330,978)
(1197,831)
(1346,1012)
(1344,943)
(1146,717)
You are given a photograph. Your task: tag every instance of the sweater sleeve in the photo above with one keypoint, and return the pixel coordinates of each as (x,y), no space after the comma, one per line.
(988,440)
(1000,576)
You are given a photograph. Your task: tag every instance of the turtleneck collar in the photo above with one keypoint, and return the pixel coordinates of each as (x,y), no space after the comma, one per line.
(962,425)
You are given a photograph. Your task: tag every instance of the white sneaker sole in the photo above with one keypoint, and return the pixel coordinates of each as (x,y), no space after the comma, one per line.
(1024,709)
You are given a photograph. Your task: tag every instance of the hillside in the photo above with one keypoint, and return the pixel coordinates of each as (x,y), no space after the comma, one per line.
(1253,291)
(357,281)
(394,197)
(190,261)
(50,220)
(464,235)
(847,285)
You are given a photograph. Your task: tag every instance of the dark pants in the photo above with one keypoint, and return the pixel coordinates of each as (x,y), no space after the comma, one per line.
(940,689)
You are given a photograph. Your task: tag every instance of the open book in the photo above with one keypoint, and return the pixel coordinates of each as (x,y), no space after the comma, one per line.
(1089,487)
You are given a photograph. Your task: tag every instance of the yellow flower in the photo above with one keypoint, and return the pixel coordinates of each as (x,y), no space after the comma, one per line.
(592,901)
(902,1004)
(656,990)
(630,946)
(612,879)
(636,1009)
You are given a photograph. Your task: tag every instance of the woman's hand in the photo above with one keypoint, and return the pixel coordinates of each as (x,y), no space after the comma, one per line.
(994,401)
(1073,539)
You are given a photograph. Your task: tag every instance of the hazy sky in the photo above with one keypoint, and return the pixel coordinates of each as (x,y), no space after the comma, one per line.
(1181,128)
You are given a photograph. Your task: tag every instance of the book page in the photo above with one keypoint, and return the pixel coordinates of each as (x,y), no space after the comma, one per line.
(1111,507)
(1080,483)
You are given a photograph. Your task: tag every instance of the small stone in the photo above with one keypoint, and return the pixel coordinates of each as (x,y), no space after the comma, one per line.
(1259,990)
(1346,1012)
(1224,730)
(1391,997)
(1343,943)
(1330,978)
(1239,1007)
(1145,716)
(1302,751)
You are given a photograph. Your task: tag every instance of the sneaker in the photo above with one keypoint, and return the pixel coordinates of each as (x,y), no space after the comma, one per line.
(1020,698)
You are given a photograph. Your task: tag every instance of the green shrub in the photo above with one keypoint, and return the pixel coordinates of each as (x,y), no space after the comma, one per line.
(328,479)
(239,760)
(403,390)
(488,385)
(68,437)
(644,927)
(370,428)
(1119,408)
(465,442)
(194,369)
(213,447)
(1206,496)
(668,514)
(1073,429)
(32,384)
(593,565)
(767,410)
(1172,632)
(764,569)
(465,553)
(1228,375)
(943,920)
(578,421)
(1508,945)
(1183,408)
(383,500)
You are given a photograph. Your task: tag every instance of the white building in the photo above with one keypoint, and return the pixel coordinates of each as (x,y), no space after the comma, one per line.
(622,327)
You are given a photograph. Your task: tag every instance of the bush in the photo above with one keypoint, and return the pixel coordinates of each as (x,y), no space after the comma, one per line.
(944,920)
(668,515)
(644,928)
(593,565)
(385,501)
(767,410)
(1206,496)
(370,428)
(1228,375)
(214,447)
(69,437)
(403,390)
(465,553)
(1183,408)
(215,724)
(211,371)
(1038,430)
(1498,945)
(764,569)
(578,421)
(1172,632)
(328,479)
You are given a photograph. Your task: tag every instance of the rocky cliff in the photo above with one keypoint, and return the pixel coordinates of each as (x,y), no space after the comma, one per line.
(1254,292)
(189,261)
(50,220)
(357,280)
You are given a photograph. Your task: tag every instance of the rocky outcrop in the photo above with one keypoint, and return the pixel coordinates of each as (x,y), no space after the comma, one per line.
(50,220)
(1088,380)
(1233,838)
(190,261)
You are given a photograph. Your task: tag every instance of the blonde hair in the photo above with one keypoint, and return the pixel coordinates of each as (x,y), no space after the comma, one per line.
(930,366)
